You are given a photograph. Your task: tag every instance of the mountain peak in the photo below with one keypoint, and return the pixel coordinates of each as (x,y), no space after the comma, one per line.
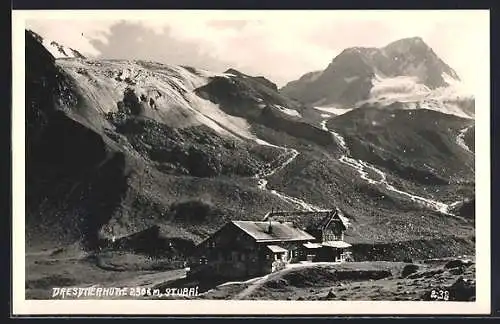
(359,49)
(56,49)
(407,44)
(405,65)
(233,71)
(414,40)
(260,79)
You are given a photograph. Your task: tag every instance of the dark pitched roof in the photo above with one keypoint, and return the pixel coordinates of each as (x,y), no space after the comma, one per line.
(285,231)
(309,220)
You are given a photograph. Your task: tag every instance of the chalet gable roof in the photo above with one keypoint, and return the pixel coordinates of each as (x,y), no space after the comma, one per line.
(280,231)
(310,220)
(336,244)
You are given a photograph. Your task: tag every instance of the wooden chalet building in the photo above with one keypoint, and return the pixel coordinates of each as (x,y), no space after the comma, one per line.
(253,248)
(328,229)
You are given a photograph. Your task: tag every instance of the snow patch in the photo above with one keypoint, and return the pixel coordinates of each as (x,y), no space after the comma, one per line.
(413,95)
(262,142)
(290,112)
(397,86)
(455,91)
(57,50)
(323,124)
(461,141)
(351,79)
(449,79)
(333,110)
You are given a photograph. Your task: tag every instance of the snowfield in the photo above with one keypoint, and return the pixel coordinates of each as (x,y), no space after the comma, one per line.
(398,86)
(168,89)
(414,95)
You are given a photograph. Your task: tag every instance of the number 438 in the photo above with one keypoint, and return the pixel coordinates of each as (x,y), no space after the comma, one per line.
(440,295)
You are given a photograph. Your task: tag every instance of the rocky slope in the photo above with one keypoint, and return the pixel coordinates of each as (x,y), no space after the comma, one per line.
(120,150)
(359,281)
(418,145)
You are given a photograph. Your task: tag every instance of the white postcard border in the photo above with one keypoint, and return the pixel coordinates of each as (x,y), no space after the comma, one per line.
(226,307)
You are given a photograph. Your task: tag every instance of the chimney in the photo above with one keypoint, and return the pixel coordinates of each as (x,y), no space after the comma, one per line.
(269,227)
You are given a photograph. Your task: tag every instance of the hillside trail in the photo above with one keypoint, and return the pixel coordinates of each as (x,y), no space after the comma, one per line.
(258,282)
(363,167)
(252,287)
(278,164)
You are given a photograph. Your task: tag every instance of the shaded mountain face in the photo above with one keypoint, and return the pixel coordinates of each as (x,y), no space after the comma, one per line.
(119,150)
(417,145)
(260,79)
(72,176)
(405,65)
(412,57)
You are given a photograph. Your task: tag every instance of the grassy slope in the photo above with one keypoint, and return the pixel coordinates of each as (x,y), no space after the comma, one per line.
(56,268)
(378,280)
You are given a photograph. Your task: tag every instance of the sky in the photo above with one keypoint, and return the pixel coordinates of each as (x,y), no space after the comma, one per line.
(280,45)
